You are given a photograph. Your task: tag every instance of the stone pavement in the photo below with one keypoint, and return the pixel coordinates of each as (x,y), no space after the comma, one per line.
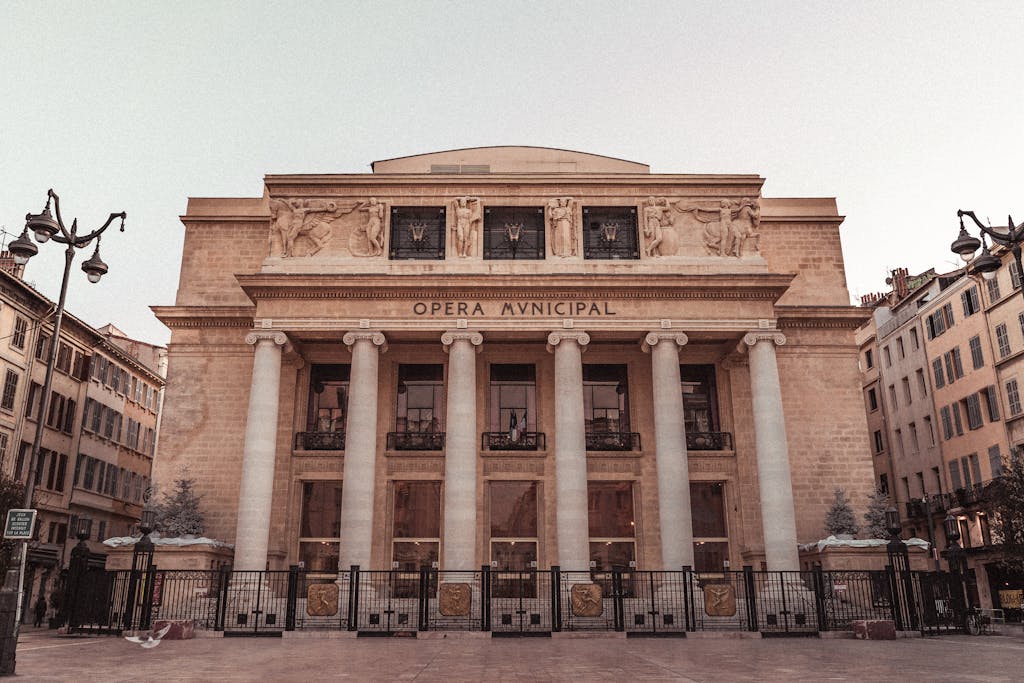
(43,656)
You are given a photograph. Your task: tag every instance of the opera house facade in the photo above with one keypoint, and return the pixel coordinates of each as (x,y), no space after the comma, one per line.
(514,357)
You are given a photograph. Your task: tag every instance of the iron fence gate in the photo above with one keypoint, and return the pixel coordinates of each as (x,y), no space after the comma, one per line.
(508,602)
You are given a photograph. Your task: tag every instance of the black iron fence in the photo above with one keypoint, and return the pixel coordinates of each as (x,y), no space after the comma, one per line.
(516,602)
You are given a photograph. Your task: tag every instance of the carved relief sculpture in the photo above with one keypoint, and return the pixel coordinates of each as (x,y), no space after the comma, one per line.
(374,227)
(308,218)
(322,600)
(468,216)
(454,599)
(728,228)
(656,224)
(719,600)
(561,226)
(586,600)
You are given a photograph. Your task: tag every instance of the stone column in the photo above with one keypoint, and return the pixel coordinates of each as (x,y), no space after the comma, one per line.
(674,511)
(358,484)
(572,522)
(255,494)
(776,487)
(461,441)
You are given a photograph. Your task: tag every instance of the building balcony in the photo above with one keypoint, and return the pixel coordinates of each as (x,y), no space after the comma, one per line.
(709,441)
(503,441)
(613,441)
(917,509)
(320,441)
(415,441)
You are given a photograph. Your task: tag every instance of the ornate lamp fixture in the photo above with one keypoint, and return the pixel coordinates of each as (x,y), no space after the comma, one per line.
(513,233)
(417,232)
(609,233)
(986,265)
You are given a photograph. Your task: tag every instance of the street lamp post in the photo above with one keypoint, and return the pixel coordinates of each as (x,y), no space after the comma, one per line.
(986,265)
(957,559)
(142,567)
(899,560)
(45,226)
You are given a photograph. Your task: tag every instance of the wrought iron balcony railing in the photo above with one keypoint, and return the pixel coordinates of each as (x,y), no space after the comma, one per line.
(320,441)
(613,441)
(503,441)
(916,508)
(709,441)
(415,441)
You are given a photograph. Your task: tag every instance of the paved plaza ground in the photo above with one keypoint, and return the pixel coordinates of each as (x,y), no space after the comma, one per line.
(43,656)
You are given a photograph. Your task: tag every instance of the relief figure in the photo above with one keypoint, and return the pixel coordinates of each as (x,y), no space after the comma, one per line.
(374,227)
(562,230)
(656,223)
(467,218)
(309,218)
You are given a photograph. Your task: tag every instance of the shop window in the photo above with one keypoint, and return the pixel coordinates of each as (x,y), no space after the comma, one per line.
(710,532)
(514,232)
(417,232)
(320,526)
(610,232)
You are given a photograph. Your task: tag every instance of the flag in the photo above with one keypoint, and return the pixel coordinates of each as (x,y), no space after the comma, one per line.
(513,428)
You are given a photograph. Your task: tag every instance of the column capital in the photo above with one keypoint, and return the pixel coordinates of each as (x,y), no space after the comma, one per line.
(752,338)
(653,338)
(278,337)
(375,338)
(581,338)
(452,336)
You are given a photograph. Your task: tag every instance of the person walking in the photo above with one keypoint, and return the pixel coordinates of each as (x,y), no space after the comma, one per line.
(40,610)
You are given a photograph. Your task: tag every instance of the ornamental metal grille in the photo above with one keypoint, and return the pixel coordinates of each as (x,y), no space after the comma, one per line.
(514,232)
(417,232)
(610,232)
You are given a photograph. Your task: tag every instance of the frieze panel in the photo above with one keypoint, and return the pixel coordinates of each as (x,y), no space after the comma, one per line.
(518,465)
(304,464)
(395,465)
(723,464)
(613,466)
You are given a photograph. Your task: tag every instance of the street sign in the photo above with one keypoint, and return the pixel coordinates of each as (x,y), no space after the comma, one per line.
(20,524)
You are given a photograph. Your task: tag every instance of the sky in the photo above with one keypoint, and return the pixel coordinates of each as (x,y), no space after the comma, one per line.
(903,111)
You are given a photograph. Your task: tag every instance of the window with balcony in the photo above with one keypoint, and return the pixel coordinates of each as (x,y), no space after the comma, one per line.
(513,531)
(611,525)
(419,415)
(327,409)
(416,530)
(610,232)
(700,409)
(606,408)
(417,232)
(513,409)
(513,232)
(320,526)
(710,531)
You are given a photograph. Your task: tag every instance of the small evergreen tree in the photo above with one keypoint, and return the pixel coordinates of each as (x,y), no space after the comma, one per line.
(1006,500)
(12,497)
(178,512)
(875,525)
(839,519)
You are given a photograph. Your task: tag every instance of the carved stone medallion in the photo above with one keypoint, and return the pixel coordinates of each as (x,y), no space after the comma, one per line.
(586,600)
(719,600)
(454,599)
(322,600)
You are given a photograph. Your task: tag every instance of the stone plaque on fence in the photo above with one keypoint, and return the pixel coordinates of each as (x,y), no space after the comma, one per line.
(719,600)
(322,600)
(586,600)
(454,599)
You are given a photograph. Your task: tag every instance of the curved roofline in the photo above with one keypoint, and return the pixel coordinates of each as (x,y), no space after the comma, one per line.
(464,149)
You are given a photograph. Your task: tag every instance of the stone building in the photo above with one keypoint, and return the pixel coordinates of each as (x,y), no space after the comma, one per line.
(99,432)
(939,370)
(514,356)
